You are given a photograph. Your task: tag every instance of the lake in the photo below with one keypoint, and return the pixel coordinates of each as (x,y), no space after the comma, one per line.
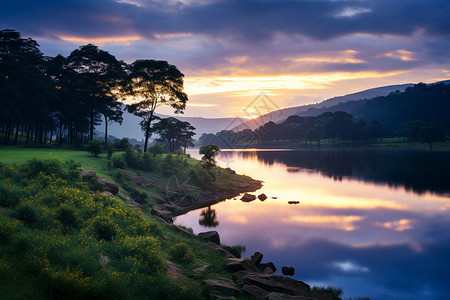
(373,221)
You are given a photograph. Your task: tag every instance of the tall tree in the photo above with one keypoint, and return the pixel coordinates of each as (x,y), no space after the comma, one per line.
(99,76)
(154,83)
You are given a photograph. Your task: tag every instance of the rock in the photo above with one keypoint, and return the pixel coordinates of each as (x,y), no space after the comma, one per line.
(322,296)
(257,258)
(262,197)
(255,291)
(232,251)
(108,186)
(262,267)
(159,199)
(214,247)
(202,269)
(288,271)
(108,194)
(220,297)
(88,174)
(135,178)
(274,197)
(293,202)
(281,296)
(238,264)
(182,230)
(170,207)
(248,197)
(276,283)
(268,270)
(163,214)
(222,288)
(210,236)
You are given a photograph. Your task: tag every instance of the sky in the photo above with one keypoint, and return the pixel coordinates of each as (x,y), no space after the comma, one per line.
(294,51)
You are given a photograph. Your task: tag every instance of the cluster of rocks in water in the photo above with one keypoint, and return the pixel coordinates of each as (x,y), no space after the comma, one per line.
(253,278)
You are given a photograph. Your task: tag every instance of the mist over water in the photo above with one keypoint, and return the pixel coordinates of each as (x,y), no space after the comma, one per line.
(372,221)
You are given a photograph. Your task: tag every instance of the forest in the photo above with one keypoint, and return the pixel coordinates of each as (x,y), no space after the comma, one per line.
(59,99)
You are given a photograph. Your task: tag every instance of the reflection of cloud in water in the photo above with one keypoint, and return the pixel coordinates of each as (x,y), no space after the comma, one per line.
(350,267)
(400,225)
(337,222)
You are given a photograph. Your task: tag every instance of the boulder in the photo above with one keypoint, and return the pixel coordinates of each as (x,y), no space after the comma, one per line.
(281,296)
(214,247)
(263,266)
(238,264)
(108,186)
(248,197)
(293,202)
(255,291)
(257,258)
(210,236)
(106,193)
(88,174)
(268,270)
(232,251)
(163,214)
(262,197)
(135,178)
(288,271)
(276,283)
(222,288)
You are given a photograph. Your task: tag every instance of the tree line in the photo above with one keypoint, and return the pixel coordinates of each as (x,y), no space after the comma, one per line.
(328,127)
(59,99)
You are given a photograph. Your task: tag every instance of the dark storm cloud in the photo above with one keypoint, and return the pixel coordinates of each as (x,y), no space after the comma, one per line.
(244,20)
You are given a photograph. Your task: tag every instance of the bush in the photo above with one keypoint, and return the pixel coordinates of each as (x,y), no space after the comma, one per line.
(181,253)
(104,229)
(119,162)
(26,214)
(138,195)
(67,218)
(149,162)
(156,149)
(133,159)
(94,147)
(122,144)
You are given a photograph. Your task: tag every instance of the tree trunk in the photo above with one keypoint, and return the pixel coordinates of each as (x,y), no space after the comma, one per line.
(106,130)
(91,134)
(147,130)
(17,132)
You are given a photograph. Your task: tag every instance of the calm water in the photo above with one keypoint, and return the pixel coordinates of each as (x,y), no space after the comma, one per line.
(372,221)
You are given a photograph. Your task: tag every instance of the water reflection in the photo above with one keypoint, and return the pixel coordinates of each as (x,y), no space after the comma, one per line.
(208,218)
(351,228)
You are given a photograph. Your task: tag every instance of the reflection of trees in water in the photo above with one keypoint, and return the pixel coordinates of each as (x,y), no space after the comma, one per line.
(208,218)
(416,170)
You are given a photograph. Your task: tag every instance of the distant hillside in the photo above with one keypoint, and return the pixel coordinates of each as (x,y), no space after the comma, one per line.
(131,128)
(283,114)
(429,103)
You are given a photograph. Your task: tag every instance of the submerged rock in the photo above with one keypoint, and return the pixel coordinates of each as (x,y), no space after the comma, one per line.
(262,197)
(293,202)
(248,197)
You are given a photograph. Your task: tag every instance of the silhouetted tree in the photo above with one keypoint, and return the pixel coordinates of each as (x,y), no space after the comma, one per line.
(174,133)
(154,83)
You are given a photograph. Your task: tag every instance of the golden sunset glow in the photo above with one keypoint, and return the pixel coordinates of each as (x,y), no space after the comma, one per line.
(337,222)
(401,54)
(104,40)
(400,225)
(211,85)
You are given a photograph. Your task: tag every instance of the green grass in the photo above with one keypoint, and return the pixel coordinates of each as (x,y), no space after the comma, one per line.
(54,232)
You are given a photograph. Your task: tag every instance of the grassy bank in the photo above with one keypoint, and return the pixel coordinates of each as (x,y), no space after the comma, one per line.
(58,239)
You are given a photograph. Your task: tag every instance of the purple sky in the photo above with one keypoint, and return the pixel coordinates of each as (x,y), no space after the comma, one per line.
(296,51)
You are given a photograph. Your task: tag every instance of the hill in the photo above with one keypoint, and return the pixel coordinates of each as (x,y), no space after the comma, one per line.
(282,114)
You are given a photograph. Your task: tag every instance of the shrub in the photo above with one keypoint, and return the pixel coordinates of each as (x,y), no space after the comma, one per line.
(26,214)
(104,229)
(67,218)
(122,144)
(138,195)
(181,253)
(94,147)
(110,149)
(149,162)
(119,162)
(133,159)
(156,149)
(335,292)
